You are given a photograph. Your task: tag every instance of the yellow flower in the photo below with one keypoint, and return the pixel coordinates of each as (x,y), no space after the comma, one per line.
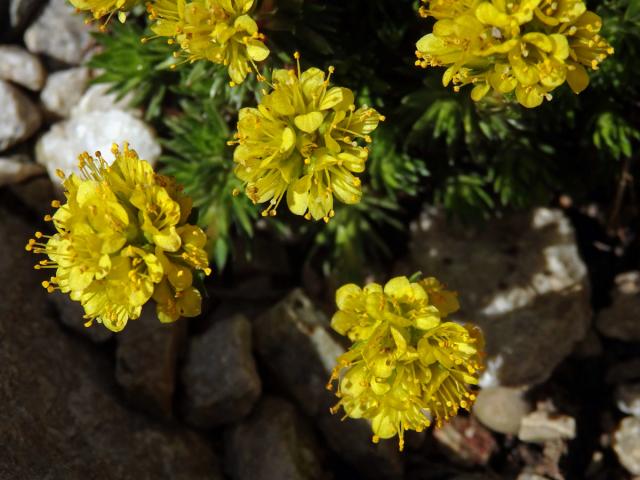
(526,47)
(101,8)
(406,368)
(304,140)
(220,31)
(121,238)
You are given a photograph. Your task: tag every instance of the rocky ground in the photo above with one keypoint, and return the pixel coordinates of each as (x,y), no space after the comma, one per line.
(239,392)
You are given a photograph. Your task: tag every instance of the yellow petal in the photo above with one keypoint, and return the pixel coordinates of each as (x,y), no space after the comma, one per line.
(309,122)
(577,77)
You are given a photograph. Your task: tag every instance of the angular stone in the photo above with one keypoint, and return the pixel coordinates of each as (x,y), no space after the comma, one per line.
(293,342)
(467,440)
(626,444)
(146,361)
(71,315)
(63,90)
(17,168)
(21,67)
(520,278)
(620,320)
(542,426)
(61,417)
(60,33)
(221,383)
(501,409)
(20,117)
(61,145)
(273,443)
(628,399)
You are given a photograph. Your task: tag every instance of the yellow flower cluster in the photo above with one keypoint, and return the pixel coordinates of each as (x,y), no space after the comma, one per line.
(122,238)
(527,46)
(102,8)
(406,368)
(220,31)
(304,139)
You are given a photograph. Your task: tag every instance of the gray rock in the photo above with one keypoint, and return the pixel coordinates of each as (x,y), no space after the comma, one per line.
(146,361)
(63,90)
(97,98)
(61,417)
(61,145)
(628,399)
(626,444)
(293,342)
(620,320)
(71,315)
(17,168)
(273,443)
(466,440)
(520,278)
(501,409)
(221,384)
(60,33)
(36,193)
(20,117)
(21,12)
(21,67)
(543,426)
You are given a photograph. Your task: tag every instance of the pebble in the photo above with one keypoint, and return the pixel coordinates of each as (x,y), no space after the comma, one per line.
(501,409)
(20,117)
(19,66)
(467,440)
(60,33)
(17,168)
(221,383)
(60,146)
(626,444)
(294,344)
(273,443)
(542,426)
(146,359)
(620,320)
(63,90)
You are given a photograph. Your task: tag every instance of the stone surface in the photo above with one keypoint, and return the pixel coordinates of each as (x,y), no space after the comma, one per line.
(61,417)
(97,98)
(293,342)
(21,67)
(467,440)
(61,145)
(20,117)
(16,168)
(501,409)
(60,33)
(273,443)
(63,90)
(71,315)
(146,361)
(21,12)
(542,426)
(628,399)
(620,320)
(36,193)
(626,444)
(221,384)
(520,278)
